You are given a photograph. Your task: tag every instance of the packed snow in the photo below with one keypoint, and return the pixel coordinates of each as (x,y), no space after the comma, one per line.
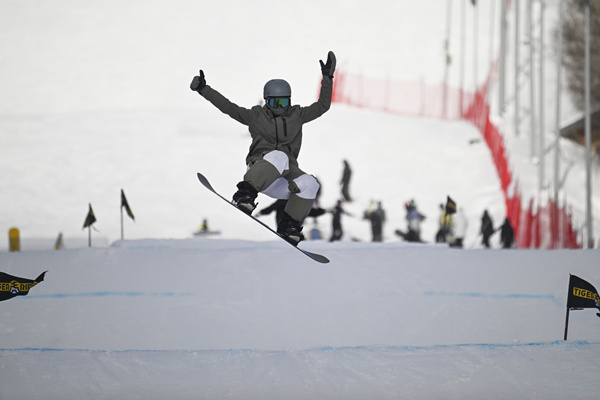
(232,319)
(95,101)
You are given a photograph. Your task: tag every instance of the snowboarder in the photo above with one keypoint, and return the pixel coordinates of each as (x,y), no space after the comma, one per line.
(345,182)
(487,228)
(204,226)
(337,231)
(507,234)
(377,218)
(445,221)
(272,160)
(413,220)
(204,230)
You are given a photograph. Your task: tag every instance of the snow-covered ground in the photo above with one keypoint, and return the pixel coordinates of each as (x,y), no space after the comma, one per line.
(95,99)
(230,319)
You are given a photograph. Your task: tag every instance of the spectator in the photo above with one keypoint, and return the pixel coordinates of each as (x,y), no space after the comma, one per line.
(460,228)
(337,231)
(413,219)
(345,182)
(507,234)
(377,218)
(487,228)
(279,207)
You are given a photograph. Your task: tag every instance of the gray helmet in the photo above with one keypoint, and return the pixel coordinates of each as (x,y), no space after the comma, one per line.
(277,88)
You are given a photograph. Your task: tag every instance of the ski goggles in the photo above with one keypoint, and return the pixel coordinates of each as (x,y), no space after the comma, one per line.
(278,102)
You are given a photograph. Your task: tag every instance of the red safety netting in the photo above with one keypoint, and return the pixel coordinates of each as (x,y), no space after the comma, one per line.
(417,99)
(536,225)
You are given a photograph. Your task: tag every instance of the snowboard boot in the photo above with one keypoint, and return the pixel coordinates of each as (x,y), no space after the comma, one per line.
(290,229)
(244,197)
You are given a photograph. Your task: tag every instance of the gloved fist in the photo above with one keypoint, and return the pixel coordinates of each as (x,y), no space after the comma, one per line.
(198,82)
(328,68)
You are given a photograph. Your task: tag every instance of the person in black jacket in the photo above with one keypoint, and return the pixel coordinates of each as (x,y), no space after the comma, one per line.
(487,228)
(337,231)
(377,218)
(345,182)
(279,207)
(507,234)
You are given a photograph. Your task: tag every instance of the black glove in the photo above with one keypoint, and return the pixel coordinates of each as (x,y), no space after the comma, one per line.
(198,82)
(327,69)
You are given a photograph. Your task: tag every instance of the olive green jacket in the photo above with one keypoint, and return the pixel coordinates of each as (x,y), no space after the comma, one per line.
(270,132)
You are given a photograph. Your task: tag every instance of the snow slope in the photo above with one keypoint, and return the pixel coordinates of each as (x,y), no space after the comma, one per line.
(159,176)
(95,101)
(112,110)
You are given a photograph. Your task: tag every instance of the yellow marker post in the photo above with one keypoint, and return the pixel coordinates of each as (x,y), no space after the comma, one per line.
(14,242)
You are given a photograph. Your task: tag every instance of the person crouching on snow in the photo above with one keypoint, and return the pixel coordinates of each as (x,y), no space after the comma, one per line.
(272,161)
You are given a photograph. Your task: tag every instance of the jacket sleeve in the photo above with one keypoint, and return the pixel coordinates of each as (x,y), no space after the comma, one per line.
(320,107)
(240,114)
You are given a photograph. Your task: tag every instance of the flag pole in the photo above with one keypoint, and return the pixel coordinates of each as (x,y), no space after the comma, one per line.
(588,132)
(90,236)
(121,222)
(567,323)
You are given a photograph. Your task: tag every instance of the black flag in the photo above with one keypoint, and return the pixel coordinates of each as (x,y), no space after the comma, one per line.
(582,294)
(11,286)
(126,205)
(450,206)
(59,242)
(90,219)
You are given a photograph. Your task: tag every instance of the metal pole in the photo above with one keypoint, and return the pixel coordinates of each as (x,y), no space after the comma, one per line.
(502,66)
(588,131)
(557,123)
(491,52)
(542,143)
(121,222)
(567,324)
(531,80)
(475,44)
(462,59)
(517,50)
(447,58)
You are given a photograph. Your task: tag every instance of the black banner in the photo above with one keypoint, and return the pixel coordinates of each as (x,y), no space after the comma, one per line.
(582,294)
(450,206)
(11,286)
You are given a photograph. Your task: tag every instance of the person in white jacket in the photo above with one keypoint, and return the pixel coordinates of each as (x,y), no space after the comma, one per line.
(460,228)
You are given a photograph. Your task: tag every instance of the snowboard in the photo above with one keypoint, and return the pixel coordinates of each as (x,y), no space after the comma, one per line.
(206,233)
(317,257)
